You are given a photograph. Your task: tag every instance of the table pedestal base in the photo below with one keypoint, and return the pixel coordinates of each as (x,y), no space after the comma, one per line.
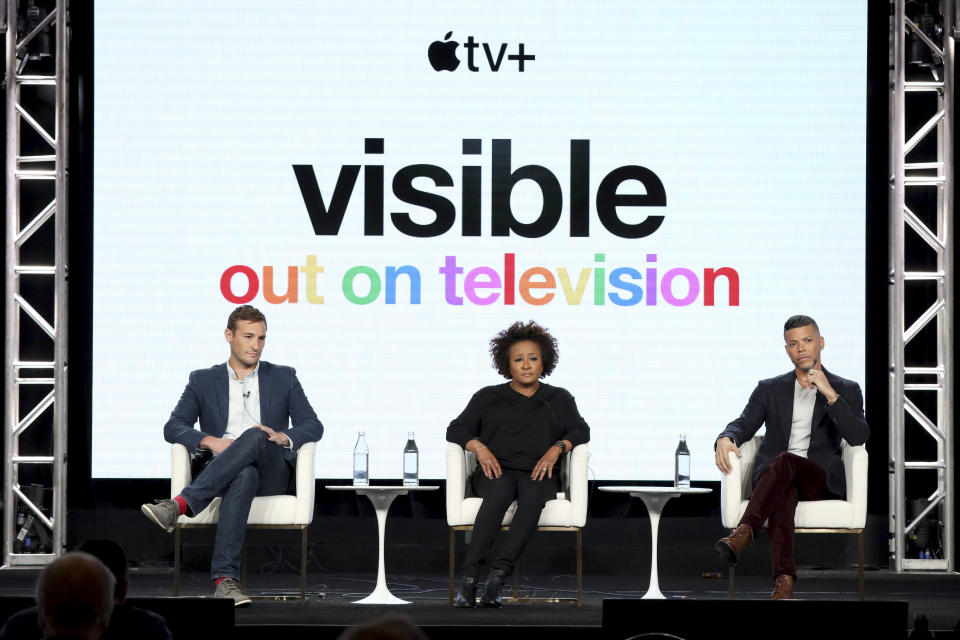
(381,594)
(654,504)
(654,499)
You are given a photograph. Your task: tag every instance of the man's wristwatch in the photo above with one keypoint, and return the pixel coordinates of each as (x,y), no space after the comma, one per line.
(562,445)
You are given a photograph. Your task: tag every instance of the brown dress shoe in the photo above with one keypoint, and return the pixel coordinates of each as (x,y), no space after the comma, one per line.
(733,545)
(783,589)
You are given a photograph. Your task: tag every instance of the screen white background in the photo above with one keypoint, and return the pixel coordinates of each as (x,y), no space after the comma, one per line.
(752,114)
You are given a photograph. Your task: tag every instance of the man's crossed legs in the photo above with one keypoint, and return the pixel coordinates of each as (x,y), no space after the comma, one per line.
(789,479)
(251,466)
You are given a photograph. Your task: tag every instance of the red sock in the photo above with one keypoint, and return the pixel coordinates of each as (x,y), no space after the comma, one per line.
(219,580)
(181,503)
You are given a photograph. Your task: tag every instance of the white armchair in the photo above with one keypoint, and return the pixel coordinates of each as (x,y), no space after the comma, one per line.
(815,516)
(566,513)
(267,512)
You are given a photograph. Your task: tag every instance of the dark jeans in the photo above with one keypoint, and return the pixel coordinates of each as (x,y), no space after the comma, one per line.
(251,466)
(789,479)
(498,494)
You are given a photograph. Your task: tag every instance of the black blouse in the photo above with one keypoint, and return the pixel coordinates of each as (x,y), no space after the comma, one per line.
(518,429)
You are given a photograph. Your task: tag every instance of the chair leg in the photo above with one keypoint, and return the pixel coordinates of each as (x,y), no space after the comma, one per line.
(516,580)
(579,567)
(732,583)
(860,585)
(453,553)
(176,561)
(243,568)
(303,564)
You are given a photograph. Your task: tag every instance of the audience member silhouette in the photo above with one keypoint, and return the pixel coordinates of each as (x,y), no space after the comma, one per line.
(393,627)
(125,622)
(75,597)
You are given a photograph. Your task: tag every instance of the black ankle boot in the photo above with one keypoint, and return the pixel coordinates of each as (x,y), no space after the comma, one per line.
(467,595)
(491,590)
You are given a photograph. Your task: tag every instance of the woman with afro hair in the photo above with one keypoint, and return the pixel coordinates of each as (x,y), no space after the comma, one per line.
(518,430)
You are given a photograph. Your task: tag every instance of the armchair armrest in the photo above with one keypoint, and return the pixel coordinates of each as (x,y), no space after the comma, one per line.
(576,483)
(180,469)
(460,464)
(855,460)
(735,487)
(306,483)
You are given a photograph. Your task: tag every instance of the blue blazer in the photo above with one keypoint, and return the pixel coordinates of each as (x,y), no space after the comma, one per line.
(207,399)
(772,403)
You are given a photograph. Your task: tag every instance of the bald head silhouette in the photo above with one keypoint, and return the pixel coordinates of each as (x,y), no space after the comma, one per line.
(75,597)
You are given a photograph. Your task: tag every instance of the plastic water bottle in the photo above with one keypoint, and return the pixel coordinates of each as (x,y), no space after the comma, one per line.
(410,462)
(361,462)
(681,470)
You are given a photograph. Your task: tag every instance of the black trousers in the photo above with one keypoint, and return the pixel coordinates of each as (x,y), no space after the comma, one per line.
(498,494)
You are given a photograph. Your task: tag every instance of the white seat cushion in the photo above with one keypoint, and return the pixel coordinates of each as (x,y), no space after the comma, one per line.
(556,513)
(271,510)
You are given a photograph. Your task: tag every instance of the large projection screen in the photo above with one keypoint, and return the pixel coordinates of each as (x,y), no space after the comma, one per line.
(660,184)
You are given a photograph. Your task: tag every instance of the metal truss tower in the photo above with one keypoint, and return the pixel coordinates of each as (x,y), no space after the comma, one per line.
(922,496)
(35,380)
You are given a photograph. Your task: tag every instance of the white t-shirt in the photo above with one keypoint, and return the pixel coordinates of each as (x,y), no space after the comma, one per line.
(802,423)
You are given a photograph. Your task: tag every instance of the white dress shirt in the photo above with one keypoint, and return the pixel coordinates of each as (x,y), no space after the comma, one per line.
(243,411)
(244,408)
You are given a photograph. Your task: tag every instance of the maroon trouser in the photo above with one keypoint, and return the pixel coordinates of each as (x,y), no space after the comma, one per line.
(789,479)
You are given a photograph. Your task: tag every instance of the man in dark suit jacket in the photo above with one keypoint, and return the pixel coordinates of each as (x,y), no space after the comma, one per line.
(234,404)
(807,412)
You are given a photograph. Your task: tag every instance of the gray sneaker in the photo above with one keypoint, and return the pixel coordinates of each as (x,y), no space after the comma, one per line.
(230,588)
(163,512)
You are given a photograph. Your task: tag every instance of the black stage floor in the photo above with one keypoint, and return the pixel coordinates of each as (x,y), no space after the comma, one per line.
(329,608)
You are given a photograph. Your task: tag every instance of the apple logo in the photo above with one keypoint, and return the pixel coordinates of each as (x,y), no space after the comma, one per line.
(443,55)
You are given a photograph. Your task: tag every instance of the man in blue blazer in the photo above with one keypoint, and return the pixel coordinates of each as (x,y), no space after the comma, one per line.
(807,412)
(245,409)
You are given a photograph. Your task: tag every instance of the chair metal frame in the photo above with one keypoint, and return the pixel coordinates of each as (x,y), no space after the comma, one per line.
(306,491)
(461,463)
(732,487)
(516,574)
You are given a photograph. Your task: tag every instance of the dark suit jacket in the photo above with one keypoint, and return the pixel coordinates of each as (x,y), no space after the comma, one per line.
(207,399)
(772,403)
